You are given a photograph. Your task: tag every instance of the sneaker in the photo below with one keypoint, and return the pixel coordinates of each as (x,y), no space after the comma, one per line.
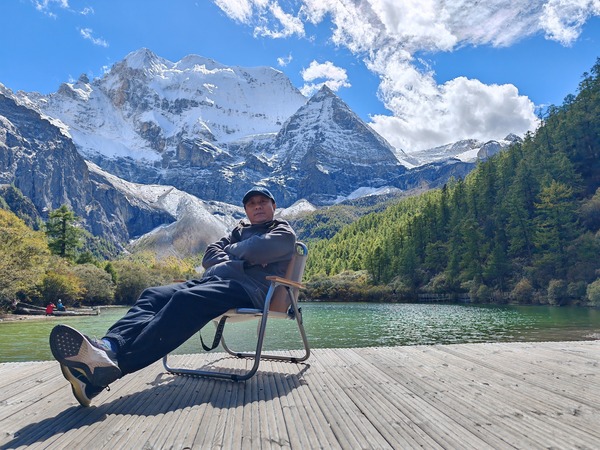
(82,389)
(76,351)
(101,344)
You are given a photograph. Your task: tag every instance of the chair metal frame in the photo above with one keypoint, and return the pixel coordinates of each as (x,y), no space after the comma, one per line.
(281,302)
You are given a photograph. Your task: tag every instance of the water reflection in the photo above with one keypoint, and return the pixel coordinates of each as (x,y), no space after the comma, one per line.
(366,324)
(331,325)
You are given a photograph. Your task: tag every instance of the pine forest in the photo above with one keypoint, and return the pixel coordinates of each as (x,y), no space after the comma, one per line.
(522,227)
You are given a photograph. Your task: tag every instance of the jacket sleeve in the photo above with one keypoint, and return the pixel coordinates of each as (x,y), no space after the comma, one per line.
(275,245)
(215,253)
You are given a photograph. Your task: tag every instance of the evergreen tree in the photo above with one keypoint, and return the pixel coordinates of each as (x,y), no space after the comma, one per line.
(64,237)
(556,228)
(524,222)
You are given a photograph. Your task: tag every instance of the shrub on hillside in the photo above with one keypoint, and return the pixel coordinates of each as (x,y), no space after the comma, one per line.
(347,287)
(523,291)
(593,293)
(557,292)
(60,282)
(98,285)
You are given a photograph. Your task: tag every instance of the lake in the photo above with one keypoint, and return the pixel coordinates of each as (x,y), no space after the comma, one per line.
(344,325)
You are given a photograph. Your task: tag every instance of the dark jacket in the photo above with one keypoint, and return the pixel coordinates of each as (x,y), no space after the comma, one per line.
(250,253)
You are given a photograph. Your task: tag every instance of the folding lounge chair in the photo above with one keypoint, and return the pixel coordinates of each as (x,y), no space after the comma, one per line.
(281,302)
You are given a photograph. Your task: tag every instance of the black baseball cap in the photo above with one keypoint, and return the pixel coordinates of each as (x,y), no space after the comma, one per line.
(258,190)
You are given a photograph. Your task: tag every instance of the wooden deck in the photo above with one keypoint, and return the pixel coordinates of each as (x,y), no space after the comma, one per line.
(467,396)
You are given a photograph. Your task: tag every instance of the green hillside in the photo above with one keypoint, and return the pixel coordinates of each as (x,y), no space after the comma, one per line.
(523,226)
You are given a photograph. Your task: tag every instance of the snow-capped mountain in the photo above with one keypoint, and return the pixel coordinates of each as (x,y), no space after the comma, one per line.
(328,145)
(212,130)
(468,150)
(193,223)
(38,159)
(146,106)
(149,120)
(43,163)
(154,149)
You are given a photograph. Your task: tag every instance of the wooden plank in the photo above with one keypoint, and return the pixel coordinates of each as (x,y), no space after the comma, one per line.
(13,374)
(516,399)
(341,406)
(468,396)
(301,421)
(402,415)
(208,429)
(546,402)
(304,423)
(153,416)
(463,402)
(523,366)
(474,405)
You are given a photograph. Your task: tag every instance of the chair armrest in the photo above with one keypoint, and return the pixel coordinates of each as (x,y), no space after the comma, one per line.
(285,281)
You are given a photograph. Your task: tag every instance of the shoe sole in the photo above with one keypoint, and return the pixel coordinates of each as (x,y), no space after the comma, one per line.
(76,386)
(71,349)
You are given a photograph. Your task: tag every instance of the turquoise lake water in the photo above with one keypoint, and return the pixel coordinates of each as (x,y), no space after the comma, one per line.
(343,325)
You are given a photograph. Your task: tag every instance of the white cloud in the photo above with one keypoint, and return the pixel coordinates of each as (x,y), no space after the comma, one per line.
(284,61)
(45,6)
(87,33)
(562,19)
(334,77)
(287,24)
(388,34)
(267,17)
(432,114)
(238,10)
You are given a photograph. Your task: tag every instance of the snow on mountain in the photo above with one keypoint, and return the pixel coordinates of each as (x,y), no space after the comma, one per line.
(145,105)
(299,208)
(211,130)
(348,138)
(191,136)
(196,224)
(468,150)
(325,151)
(368,192)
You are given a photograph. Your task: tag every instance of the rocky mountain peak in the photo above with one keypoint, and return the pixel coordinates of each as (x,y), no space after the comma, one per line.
(145,61)
(211,129)
(326,141)
(191,62)
(326,130)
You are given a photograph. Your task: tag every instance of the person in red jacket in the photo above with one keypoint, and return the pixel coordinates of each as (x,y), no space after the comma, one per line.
(50,308)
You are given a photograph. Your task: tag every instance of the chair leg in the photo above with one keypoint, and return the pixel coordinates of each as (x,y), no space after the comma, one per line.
(225,374)
(293,359)
(257,355)
(228,375)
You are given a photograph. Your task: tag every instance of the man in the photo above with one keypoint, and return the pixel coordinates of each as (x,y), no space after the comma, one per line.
(164,317)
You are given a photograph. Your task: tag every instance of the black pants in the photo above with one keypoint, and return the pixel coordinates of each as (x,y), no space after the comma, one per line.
(164,317)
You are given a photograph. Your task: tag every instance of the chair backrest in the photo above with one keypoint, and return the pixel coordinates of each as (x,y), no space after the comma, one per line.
(295,270)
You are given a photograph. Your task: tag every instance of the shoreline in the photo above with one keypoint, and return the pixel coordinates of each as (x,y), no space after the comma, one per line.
(10,317)
(17,317)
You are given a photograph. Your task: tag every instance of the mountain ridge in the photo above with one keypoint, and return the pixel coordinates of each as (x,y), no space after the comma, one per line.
(212,130)
(146,124)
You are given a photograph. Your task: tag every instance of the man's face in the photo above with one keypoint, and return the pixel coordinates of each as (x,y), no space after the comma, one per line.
(259,209)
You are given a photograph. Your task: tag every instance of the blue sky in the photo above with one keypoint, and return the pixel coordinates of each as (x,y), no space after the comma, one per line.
(420,72)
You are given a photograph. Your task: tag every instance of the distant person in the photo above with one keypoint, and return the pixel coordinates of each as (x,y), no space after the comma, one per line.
(50,308)
(164,317)
(60,306)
